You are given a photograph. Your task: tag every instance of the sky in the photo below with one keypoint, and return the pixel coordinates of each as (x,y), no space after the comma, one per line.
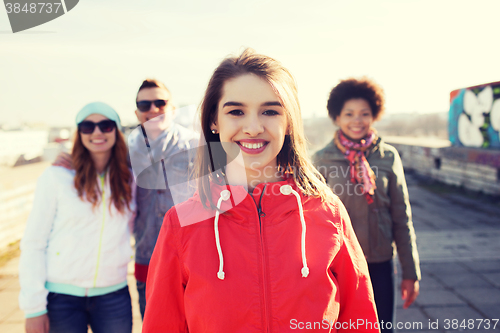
(418,51)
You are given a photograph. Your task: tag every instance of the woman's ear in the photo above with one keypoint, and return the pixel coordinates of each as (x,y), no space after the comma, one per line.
(335,120)
(214,128)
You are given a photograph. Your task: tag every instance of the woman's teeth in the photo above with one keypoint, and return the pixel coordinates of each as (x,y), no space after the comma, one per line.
(252,145)
(98,141)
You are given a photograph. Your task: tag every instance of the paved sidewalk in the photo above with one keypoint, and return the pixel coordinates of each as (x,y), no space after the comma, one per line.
(459,245)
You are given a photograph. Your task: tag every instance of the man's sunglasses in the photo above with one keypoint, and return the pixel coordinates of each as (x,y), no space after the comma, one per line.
(144,106)
(88,127)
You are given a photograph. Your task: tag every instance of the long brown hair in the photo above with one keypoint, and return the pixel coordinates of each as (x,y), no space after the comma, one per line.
(119,174)
(292,158)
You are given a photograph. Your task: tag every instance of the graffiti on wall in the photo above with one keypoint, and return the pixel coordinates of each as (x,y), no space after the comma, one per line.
(473,156)
(474,118)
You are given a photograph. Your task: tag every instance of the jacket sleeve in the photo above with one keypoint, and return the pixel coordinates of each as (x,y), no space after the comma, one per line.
(402,225)
(357,303)
(133,204)
(166,283)
(32,263)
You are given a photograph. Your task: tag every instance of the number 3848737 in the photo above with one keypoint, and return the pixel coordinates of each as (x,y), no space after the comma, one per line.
(32,8)
(470,324)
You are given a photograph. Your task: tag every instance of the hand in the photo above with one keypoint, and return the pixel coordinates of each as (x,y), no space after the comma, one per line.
(64,160)
(409,291)
(38,324)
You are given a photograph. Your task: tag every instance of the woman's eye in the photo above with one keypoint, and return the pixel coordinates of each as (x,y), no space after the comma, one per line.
(236,112)
(271,112)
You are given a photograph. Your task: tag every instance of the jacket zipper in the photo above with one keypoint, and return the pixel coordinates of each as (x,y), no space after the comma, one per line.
(103,198)
(263,260)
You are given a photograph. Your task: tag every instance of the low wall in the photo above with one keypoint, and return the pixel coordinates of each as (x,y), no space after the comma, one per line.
(17,188)
(15,206)
(472,168)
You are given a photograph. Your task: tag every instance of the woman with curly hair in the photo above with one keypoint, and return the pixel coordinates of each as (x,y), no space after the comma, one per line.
(76,247)
(367,175)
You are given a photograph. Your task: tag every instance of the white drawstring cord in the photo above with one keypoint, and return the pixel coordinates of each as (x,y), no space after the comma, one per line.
(224,195)
(287,190)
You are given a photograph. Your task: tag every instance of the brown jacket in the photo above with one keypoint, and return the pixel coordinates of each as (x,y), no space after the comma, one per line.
(387,221)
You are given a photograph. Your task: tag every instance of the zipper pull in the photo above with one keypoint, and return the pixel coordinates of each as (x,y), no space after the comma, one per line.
(259,208)
(261,213)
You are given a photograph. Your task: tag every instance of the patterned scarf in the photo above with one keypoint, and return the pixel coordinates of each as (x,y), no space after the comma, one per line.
(361,173)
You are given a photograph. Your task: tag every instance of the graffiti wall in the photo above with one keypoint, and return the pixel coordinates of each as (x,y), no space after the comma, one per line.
(474,118)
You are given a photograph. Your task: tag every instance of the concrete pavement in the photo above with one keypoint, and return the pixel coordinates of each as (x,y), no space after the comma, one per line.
(459,245)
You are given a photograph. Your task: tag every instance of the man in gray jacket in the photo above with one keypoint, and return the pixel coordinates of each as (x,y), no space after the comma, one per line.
(161,154)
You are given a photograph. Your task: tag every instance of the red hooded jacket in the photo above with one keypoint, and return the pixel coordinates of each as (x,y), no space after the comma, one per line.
(273,261)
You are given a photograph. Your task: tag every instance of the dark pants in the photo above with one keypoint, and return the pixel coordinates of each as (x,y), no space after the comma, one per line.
(110,313)
(382,276)
(141,289)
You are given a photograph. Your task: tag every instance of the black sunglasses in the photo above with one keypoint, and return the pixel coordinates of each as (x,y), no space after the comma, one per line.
(88,127)
(144,106)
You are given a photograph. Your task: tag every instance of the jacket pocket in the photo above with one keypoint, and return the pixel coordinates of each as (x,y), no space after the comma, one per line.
(180,162)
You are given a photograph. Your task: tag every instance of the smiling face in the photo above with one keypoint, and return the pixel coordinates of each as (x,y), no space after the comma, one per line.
(98,142)
(355,119)
(250,118)
(152,94)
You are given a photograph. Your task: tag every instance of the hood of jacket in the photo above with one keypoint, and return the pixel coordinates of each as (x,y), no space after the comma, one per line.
(270,261)
(240,204)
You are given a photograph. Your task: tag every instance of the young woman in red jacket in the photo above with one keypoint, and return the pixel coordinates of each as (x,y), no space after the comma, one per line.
(263,245)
